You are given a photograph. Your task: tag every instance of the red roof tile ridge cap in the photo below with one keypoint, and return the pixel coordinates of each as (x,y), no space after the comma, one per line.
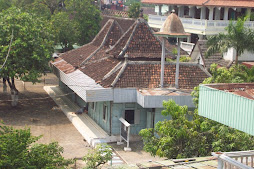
(122,31)
(204,70)
(56,62)
(121,37)
(129,40)
(120,73)
(95,61)
(112,71)
(200,52)
(108,22)
(103,41)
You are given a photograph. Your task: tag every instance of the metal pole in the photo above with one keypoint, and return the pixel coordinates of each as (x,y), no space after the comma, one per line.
(177,65)
(162,61)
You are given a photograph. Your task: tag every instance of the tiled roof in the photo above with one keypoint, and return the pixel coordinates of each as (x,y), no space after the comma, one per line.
(241,89)
(102,60)
(221,3)
(147,75)
(230,3)
(175,2)
(98,69)
(76,56)
(138,42)
(125,23)
(215,58)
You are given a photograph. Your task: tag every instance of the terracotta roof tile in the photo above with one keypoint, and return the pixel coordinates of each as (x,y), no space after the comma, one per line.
(175,2)
(147,75)
(77,56)
(138,42)
(230,3)
(98,69)
(222,3)
(125,23)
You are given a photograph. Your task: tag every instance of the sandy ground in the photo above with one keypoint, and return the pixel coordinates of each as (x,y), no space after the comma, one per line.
(39,112)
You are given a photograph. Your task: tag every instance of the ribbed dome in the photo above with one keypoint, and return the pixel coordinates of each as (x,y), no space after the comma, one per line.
(172,27)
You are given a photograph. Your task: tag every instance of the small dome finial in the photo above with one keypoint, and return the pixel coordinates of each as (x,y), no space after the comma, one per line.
(173,11)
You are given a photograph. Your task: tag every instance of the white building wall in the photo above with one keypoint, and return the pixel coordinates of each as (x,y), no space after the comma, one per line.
(231,53)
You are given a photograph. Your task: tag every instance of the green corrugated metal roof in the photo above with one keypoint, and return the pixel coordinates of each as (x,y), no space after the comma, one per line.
(227,108)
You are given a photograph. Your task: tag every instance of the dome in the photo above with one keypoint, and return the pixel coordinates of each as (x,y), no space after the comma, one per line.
(172,27)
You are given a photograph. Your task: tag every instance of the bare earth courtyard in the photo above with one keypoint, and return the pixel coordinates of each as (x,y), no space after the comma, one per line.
(39,112)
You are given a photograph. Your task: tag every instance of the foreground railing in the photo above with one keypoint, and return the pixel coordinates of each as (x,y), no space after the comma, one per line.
(235,160)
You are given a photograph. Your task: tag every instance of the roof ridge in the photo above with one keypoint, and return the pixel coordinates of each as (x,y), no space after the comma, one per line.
(129,40)
(103,42)
(206,72)
(115,69)
(121,37)
(120,73)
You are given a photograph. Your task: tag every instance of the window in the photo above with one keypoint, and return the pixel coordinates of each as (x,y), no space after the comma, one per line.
(129,116)
(93,105)
(104,111)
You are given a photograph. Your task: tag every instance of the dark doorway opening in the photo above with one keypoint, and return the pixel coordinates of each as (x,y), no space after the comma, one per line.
(129,116)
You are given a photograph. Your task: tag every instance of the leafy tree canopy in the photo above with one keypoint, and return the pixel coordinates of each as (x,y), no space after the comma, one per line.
(134,10)
(184,138)
(98,156)
(237,36)
(18,149)
(31,48)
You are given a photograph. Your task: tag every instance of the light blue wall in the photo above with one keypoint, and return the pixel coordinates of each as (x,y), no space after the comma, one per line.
(159,116)
(118,110)
(97,115)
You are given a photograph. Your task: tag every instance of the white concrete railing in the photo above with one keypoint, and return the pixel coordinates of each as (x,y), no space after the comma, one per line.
(232,160)
(197,26)
(187,46)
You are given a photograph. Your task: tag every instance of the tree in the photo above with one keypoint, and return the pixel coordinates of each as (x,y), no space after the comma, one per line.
(18,149)
(238,37)
(88,18)
(184,138)
(31,48)
(134,10)
(98,156)
(65,30)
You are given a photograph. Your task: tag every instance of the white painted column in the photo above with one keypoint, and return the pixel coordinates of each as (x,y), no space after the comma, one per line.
(225,14)
(217,13)
(211,13)
(177,64)
(180,11)
(160,6)
(192,11)
(200,37)
(248,13)
(162,62)
(203,13)
(189,39)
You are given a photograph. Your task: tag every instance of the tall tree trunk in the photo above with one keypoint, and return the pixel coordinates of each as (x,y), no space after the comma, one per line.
(236,57)
(4,85)
(14,91)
